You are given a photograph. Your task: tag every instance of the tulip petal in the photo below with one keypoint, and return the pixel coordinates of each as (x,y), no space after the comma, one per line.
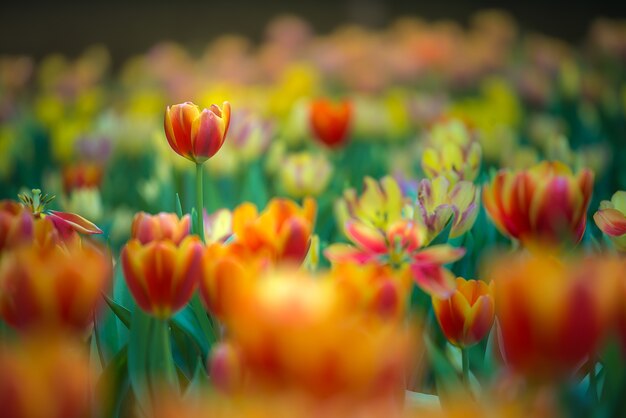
(65,220)
(344,252)
(368,238)
(611,221)
(434,279)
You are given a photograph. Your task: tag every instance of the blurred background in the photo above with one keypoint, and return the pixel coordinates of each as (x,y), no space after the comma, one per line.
(130,27)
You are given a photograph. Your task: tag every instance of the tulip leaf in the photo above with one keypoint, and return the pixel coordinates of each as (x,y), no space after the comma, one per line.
(120,312)
(199,381)
(179,207)
(422,400)
(188,323)
(114,384)
(160,360)
(139,345)
(446,376)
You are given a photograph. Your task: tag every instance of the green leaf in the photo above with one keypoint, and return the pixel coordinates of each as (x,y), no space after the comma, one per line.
(120,312)
(139,345)
(446,376)
(114,385)
(160,361)
(199,381)
(422,400)
(179,207)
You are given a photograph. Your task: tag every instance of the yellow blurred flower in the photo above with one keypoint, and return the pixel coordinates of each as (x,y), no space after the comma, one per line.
(304,174)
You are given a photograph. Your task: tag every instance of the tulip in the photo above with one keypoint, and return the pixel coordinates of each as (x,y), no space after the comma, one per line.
(553,313)
(283,230)
(225,367)
(218,226)
(437,204)
(196,134)
(46,378)
(451,153)
(611,219)
(467,316)
(161,275)
(330,122)
(544,204)
(53,287)
(163,226)
(16,224)
(303,174)
(82,175)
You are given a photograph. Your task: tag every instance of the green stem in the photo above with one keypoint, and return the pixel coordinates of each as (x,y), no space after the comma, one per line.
(199,202)
(98,344)
(164,362)
(466,368)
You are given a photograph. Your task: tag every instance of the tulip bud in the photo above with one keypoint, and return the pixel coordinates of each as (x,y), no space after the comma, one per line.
(330,122)
(161,275)
(163,226)
(611,219)
(225,368)
(196,134)
(303,174)
(467,315)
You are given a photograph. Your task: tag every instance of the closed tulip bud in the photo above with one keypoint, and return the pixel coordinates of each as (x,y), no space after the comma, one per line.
(330,122)
(53,287)
(225,368)
(467,315)
(82,175)
(304,174)
(553,313)
(196,134)
(162,226)
(611,219)
(545,204)
(161,275)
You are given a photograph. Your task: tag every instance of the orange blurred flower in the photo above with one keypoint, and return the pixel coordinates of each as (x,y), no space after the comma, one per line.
(282,231)
(53,287)
(196,134)
(82,175)
(162,226)
(546,203)
(330,122)
(45,378)
(467,316)
(375,287)
(161,275)
(291,331)
(553,313)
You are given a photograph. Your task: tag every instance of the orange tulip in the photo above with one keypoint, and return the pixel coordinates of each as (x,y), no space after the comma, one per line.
(163,226)
(196,134)
(467,316)
(546,203)
(161,275)
(330,122)
(553,313)
(82,175)
(282,231)
(53,287)
(45,378)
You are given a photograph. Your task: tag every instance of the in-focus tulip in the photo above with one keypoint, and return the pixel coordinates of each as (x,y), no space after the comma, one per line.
(305,174)
(162,226)
(467,316)
(553,313)
(437,203)
(611,219)
(196,134)
(282,231)
(451,153)
(545,204)
(330,122)
(53,287)
(161,275)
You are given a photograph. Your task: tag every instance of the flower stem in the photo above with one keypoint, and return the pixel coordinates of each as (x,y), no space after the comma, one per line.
(199,203)
(466,368)
(165,361)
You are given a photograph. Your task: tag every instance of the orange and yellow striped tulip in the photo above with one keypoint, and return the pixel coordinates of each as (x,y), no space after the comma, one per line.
(163,226)
(553,313)
(544,204)
(467,316)
(196,134)
(53,287)
(161,275)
